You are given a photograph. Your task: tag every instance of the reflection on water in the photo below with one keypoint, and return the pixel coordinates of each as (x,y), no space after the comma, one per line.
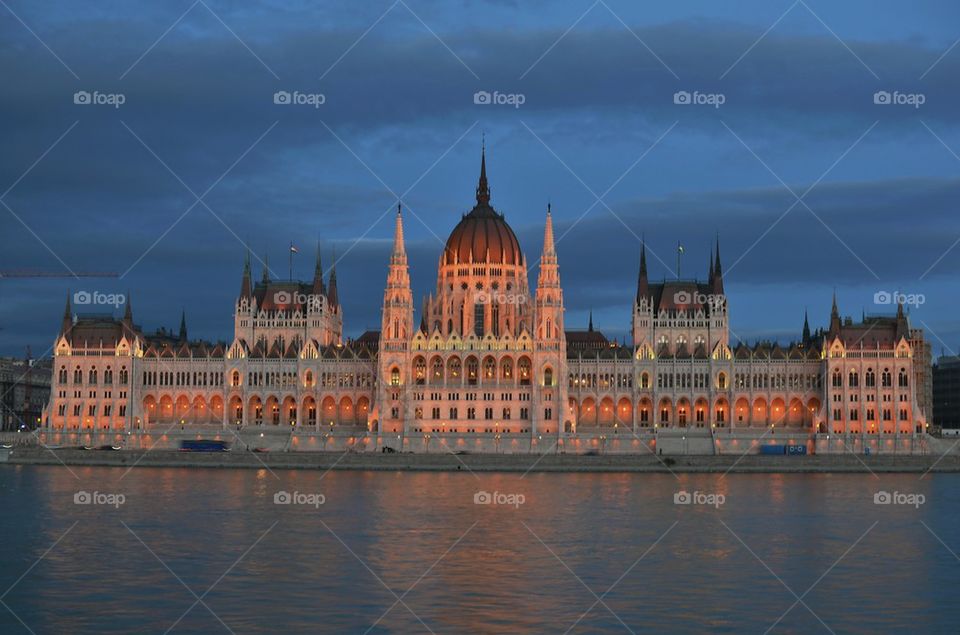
(403,552)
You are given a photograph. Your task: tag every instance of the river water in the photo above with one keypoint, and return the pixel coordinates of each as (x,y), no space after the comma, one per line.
(210,550)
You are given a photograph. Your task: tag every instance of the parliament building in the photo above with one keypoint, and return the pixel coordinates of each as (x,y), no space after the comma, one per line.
(490,366)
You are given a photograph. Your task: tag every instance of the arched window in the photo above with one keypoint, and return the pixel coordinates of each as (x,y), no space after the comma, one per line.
(902,378)
(548,377)
(837,379)
(419,370)
(489,368)
(722,381)
(871,378)
(645,380)
(854,379)
(886,380)
(523,370)
(395,376)
(62,375)
(124,376)
(235,379)
(93,375)
(108,376)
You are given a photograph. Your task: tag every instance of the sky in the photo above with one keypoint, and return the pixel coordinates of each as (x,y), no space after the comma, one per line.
(181,158)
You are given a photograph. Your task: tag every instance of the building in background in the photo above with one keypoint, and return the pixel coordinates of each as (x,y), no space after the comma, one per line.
(24,391)
(946,391)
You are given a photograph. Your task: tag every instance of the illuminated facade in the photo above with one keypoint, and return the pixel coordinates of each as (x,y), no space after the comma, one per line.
(489,366)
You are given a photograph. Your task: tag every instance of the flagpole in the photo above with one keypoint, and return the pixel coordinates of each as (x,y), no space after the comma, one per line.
(678,259)
(291,261)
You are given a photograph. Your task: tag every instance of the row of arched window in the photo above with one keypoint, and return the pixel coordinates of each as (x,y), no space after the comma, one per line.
(93,376)
(870,378)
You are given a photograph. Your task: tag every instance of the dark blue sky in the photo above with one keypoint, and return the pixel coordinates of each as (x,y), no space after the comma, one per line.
(399,119)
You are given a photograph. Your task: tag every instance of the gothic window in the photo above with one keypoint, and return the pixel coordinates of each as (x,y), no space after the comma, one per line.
(478,316)
(473,369)
(902,378)
(523,369)
(854,379)
(886,379)
(548,377)
(489,369)
(419,370)
(395,377)
(871,378)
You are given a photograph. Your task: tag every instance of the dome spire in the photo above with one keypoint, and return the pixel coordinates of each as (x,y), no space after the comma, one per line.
(483,189)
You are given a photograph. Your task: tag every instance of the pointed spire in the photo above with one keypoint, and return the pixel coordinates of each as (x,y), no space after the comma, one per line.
(716,266)
(590,323)
(128,310)
(246,286)
(266,268)
(183,325)
(318,286)
(483,189)
(642,282)
(717,271)
(834,315)
(806,327)
(332,296)
(711,267)
(398,247)
(67,316)
(548,244)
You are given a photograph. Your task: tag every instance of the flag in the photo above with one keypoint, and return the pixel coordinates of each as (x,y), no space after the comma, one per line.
(293,249)
(679,248)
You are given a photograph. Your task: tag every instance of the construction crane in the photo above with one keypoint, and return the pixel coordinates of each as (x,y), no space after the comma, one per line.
(33,273)
(27,273)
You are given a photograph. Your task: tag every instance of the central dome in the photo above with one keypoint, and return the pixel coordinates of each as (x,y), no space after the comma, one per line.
(483,236)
